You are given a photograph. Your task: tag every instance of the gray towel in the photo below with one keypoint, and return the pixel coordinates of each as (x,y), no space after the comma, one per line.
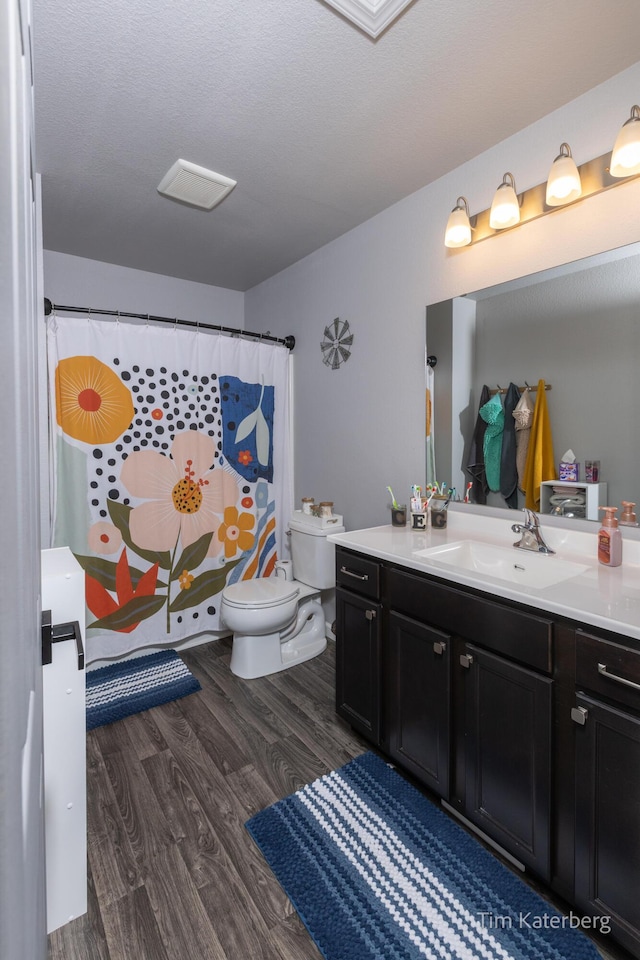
(523,417)
(508,468)
(475,465)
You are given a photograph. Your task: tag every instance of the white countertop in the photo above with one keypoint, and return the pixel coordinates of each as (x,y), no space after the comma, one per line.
(605,597)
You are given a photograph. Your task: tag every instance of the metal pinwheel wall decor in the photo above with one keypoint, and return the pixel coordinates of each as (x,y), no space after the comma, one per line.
(336,345)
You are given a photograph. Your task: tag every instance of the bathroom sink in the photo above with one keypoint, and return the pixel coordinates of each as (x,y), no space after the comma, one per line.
(504,563)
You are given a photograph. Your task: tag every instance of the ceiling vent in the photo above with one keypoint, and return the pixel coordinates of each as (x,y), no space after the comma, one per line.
(372,16)
(194,185)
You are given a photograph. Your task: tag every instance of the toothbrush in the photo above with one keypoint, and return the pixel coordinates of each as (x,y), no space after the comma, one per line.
(466,496)
(394,502)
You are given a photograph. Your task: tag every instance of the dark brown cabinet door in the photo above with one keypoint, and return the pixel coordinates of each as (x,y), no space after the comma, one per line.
(419,721)
(607,881)
(508,754)
(358,669)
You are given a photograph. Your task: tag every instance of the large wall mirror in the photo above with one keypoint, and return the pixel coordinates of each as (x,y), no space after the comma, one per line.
(578,328)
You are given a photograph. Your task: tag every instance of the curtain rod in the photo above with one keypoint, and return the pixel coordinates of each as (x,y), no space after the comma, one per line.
(50,308)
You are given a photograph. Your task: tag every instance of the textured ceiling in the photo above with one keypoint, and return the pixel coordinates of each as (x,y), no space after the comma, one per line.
(321,126)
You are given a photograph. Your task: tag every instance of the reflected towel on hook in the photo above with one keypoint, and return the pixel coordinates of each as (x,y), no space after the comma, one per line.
(540,460)
(493,415)
(475,465)
(508,470)
(523,416)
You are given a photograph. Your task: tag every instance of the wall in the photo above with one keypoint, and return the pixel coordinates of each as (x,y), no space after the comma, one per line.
(361,427)
(551,330)
(78,282)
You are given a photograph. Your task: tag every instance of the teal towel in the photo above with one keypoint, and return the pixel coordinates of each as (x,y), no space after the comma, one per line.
(493,415)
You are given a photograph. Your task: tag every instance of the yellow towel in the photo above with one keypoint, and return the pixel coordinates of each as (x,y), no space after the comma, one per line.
(540,463)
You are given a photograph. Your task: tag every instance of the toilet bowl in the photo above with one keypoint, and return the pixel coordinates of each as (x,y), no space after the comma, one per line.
(278,621)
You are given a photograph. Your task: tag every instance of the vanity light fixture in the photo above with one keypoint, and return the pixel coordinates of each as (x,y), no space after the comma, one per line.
(458,232)
(566,183)
(563,182)
(625,159)
(505,209)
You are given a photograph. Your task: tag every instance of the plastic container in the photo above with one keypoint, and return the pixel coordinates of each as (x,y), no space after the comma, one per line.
(628,517)
(610,539)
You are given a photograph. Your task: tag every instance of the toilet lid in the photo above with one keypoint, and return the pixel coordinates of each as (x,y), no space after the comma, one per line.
(263,592)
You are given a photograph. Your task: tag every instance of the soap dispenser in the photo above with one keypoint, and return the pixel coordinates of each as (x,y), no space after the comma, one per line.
(628,517)
(610,539)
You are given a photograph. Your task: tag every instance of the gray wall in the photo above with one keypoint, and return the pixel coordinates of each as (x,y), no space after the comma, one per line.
(361,427)
(580,333)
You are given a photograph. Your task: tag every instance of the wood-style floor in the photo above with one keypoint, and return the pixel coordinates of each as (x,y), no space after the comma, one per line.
(173,874)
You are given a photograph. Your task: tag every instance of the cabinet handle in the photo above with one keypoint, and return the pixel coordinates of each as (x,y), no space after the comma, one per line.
(370,614)
(439,647)
(579,715)
(602,668)
(356,576)
(466,660)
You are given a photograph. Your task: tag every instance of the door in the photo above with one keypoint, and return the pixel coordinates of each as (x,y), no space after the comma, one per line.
(507,755)
(607,816)
(22,906)
(358,667)
(419,707)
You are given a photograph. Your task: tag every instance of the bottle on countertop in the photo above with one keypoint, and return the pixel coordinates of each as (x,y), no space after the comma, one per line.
(610,539)
(628,517)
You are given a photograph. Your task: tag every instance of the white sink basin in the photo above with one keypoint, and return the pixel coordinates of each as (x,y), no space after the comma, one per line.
(522,567)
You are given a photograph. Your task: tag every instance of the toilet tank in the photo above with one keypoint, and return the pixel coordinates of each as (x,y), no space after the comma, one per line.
(312,555)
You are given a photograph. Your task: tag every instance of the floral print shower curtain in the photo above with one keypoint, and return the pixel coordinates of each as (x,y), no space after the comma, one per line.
(170,472)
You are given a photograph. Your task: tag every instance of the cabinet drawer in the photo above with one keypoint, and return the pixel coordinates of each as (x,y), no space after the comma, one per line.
(608,668)
(523,637)
(358,573)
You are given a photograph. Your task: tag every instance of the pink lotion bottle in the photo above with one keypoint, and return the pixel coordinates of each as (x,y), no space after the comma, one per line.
(610,539)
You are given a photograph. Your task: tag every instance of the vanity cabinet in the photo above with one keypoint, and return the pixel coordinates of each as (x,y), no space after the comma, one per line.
(607,745)
(358,643)
(419,703)
(468,707)
(507,754)
(525,725)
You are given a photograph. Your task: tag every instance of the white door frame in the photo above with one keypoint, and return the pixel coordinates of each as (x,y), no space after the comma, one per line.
(22,897)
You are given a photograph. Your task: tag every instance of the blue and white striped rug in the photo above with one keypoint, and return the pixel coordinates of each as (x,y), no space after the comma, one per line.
(131,686)
(378,872)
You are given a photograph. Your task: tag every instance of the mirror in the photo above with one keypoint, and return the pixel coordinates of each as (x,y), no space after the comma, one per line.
(578,328)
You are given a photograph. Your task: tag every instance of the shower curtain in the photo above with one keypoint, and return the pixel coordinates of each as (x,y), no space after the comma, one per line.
(171,472)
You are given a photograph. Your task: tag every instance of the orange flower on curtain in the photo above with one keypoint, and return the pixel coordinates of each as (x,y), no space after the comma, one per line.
(234,532)
(92,402)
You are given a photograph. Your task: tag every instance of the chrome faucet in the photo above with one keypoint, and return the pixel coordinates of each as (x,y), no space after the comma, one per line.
(530,536)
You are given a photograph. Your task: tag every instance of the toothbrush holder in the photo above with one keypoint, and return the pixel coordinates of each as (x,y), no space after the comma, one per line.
(399,515)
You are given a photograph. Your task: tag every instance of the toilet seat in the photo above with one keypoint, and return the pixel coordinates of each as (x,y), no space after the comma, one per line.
(260,594)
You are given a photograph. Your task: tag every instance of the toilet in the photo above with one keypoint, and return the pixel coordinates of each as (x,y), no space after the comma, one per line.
(278,621)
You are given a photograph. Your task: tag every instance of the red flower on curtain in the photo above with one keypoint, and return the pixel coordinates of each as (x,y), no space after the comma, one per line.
(102,604)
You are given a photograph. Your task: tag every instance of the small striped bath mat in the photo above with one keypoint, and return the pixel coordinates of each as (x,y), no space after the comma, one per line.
(375,870)
(131,686)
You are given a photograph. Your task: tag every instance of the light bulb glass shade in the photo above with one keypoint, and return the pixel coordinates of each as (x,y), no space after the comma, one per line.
(458,232)
(563,184)
(625,158)
(505,209)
